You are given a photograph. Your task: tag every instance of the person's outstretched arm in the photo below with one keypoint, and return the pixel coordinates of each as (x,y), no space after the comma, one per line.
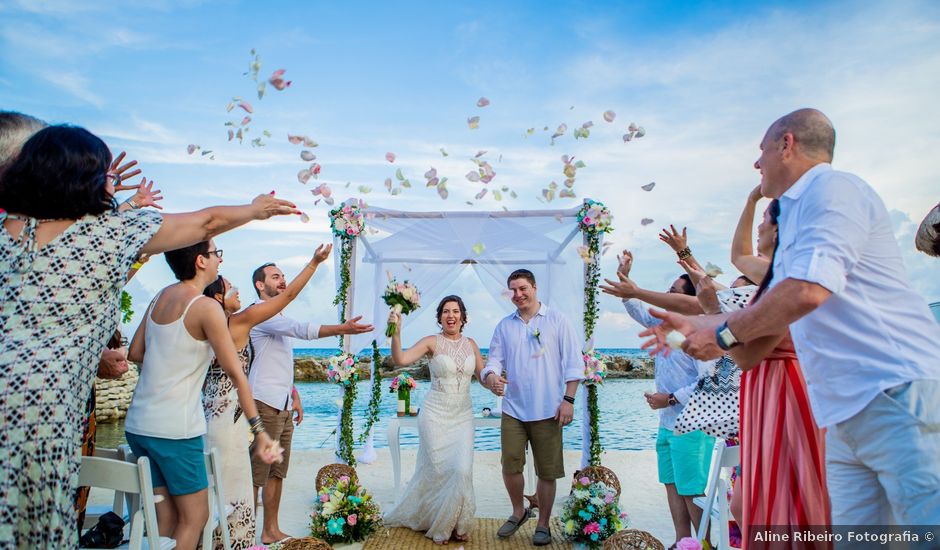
(415,352)
(742,249)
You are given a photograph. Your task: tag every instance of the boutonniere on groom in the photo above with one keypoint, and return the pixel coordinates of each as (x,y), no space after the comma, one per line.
(537,334)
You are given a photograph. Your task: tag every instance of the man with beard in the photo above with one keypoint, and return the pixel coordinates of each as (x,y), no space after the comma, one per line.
(272,382)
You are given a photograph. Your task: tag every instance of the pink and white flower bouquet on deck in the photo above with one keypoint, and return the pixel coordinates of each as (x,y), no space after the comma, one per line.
(344,512)
(591,513)
(403,298)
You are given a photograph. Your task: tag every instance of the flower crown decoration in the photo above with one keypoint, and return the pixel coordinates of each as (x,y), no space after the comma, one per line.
(403,381)
(346,220)
(594,217)
(343,369)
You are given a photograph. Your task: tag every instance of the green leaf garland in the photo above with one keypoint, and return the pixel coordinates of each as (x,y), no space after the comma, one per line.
(376,399)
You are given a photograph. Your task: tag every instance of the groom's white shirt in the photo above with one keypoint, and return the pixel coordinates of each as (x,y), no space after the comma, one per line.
(536,382)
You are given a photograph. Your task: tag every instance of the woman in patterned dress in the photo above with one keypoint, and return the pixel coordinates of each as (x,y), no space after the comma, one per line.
(439,499)
(228,428)
(64,256)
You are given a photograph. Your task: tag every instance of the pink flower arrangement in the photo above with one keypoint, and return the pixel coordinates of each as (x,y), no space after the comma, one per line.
(592,527)
(688,543)
(347,220)
(403,381)
(342,369)
(594,217)
(402,297)
(352,519)
(595,369)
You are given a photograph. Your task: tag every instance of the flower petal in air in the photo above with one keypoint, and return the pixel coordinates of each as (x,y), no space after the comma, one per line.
(609,116)
(307,156)
(478,248)
(483,102)
(646,221)
(246,106)
(390,157)
(649,186)
(473,122)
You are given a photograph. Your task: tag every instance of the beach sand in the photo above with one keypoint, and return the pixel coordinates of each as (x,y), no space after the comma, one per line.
(643,497)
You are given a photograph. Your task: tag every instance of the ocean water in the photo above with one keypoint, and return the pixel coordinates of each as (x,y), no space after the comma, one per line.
(627,422)
(314,353)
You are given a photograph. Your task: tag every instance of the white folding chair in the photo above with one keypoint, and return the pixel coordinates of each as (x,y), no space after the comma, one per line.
(129,479)
(218,509)
(723,459)
(93,512)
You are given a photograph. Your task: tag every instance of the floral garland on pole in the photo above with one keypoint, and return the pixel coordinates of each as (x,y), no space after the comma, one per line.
(343,371)
(347,223)
(594,219)
(376,399)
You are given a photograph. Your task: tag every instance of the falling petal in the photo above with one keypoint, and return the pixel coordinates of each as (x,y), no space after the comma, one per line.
(442,191)
(390,157)
(406,266)
(307,156)
(478,248)
(469,203)
(246,120)
(266,133)
(230,106)
(443,152)
(473,176)
(609,116)
(315,169)
(431,174)
(513,194)
(580,164)
(473,122)
(649,186)
(191,148)
(399,176)
(406,184)
(262,87)
(483,102)
(479,154)
(316,202)
(585,254)
(329,200)
(500,159)
(566,194)
(640,132)
(388,183)
(325,191)
(432,182)
(257,142)
(296,140)
(304,217)
(396,191)
(497,195)
(559,219)
(569,183)
(348,183)
(310,143)
(231,135)
(712,270)
(239,135)
(553,186)
(627,137)
(481,194)
(246,106)
(207,152)
(633,127)
(364,189)
(587,124)
(304,176)
(646,221)
(530,131)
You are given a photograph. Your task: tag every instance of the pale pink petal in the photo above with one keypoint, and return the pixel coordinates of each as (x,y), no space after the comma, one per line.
(633,127)
(390,157)
(246,106)
(231,134)
(483,102)
(388,183)
(473,176)
(479,154)
(304,217)
(481,194)
(307,156)
(627,137)
(246,120)
(303,176)
(646,221)
(191,148)
(310,143)
(431,174)
(296,140)
(609,116)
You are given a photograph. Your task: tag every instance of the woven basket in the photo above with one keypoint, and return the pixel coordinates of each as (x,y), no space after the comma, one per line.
(306,543)
(633,539)
(334,472)
(602,474)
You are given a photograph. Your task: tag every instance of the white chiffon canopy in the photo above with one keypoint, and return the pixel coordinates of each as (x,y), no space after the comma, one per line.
(430,249)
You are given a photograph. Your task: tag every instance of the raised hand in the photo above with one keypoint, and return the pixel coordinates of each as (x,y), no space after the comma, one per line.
(146,195)
(120,171)
(353,326)
(755,195)
(700,340)
(394,318)
(625,263)
(705,288)
(623,289)
(322,253)
(672,237)
(266,206)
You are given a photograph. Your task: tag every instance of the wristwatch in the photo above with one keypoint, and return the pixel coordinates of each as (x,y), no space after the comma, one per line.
(672,400)
(569,399)
(726,339)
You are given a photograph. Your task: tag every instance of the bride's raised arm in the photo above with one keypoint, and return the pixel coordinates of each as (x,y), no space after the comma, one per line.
(422,347)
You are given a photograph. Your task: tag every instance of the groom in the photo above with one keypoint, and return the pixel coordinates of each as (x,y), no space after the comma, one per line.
(540,353)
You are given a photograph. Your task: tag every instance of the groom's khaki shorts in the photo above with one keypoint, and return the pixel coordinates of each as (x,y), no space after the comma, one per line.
(545,437)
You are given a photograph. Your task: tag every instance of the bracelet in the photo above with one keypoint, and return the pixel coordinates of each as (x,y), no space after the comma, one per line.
(137,265)
(569,399)
(684,253)
(133,204)
(311,266)
(255,425)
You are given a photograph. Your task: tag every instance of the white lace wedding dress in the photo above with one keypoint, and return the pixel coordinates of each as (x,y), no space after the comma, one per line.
(439,498)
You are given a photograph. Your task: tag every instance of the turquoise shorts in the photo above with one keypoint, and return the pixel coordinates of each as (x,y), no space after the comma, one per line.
(684,460)
(177,464)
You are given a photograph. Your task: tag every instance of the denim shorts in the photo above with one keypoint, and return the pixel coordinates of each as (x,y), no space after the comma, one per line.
(177,464)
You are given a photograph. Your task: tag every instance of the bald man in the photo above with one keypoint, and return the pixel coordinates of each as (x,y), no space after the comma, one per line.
(867,343)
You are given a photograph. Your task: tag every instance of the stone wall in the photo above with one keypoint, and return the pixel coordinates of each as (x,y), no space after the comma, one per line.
(113,397)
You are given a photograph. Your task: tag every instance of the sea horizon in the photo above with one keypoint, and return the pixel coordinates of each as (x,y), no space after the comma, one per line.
(311,353)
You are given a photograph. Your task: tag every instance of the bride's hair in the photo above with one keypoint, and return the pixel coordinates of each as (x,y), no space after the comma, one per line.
(463,309)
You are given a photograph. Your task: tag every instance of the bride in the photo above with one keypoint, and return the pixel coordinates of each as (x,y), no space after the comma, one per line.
(439,499)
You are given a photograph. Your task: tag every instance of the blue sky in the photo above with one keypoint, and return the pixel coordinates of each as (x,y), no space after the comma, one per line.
(704,81)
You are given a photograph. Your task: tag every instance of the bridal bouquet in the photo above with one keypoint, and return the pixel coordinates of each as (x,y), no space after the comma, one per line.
(403,381)
(591,514)
(344,512)
(403,298)
(343,369)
